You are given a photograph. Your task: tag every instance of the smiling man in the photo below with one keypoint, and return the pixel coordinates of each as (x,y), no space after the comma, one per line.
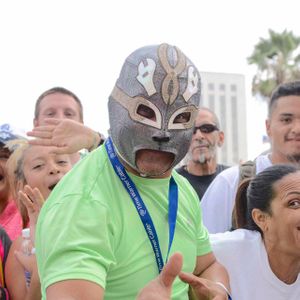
(202,166)
(58,122)
(283,129)
(109,227)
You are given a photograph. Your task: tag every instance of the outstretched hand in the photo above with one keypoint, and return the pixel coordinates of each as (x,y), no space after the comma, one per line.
(67,136)
(33,201)
(161,287)
(203,289)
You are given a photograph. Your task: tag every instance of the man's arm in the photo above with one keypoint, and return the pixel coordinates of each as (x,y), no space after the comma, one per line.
(74,290)
(211,280)
(209,268)
(66,135)
(209,286)
(58,264)
(159,288)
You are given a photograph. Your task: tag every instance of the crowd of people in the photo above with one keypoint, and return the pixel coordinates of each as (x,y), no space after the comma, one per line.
(116,218)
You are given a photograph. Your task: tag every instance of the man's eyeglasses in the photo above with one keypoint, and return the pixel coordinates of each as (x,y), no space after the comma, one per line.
(205,128)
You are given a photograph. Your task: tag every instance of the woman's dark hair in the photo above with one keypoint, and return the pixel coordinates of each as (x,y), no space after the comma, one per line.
(258,192)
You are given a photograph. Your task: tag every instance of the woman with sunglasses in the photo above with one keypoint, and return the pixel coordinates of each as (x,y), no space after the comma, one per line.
(202,166)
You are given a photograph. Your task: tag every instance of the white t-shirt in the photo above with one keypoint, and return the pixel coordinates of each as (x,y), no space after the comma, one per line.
(218,200)
(243,254)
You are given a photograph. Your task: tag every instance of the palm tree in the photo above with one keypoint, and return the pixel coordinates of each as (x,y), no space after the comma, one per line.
(277,59)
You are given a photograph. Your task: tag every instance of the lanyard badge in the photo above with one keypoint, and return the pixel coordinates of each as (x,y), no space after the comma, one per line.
(141,207)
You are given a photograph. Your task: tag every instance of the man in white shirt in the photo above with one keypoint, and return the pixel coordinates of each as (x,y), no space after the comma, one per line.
(283,129)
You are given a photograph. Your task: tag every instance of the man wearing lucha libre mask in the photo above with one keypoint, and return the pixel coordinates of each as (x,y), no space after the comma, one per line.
(111,224)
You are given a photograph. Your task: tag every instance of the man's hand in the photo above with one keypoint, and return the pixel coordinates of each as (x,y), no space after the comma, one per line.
(203,289)
(161,287)
(66,135)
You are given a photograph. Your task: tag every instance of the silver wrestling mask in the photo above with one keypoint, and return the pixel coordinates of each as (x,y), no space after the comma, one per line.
(154,103)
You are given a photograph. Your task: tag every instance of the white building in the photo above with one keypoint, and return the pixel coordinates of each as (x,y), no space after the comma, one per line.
(225,95)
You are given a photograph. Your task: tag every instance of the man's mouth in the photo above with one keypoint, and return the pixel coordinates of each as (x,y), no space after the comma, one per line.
(1,177)
(201,146)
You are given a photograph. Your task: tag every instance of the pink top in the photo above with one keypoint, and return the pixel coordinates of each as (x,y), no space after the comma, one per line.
(11,220)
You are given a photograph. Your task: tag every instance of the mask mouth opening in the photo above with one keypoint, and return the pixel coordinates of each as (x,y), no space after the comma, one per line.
(153,163)
(154,153)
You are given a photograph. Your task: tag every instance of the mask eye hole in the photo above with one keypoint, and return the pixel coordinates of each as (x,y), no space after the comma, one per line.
(146,112)
(182,118)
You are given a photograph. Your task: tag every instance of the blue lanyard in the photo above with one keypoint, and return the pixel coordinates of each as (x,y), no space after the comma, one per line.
(141,207)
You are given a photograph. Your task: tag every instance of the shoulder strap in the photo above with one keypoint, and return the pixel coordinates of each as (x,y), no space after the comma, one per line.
(246,170)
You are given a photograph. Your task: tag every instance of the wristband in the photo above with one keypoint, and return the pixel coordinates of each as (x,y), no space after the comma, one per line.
(95,144)
(224,288)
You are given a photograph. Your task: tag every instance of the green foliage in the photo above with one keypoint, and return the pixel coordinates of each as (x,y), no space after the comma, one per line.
(277,60)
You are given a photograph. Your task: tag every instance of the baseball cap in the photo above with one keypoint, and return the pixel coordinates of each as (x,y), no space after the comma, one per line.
(8,133)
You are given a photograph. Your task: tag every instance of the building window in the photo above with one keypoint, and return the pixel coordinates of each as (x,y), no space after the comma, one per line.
(233,88)
(223,121)
(224,115)
(211,86)
(234,107)
(222,98)
(234,129)
(222,87)
(211,102)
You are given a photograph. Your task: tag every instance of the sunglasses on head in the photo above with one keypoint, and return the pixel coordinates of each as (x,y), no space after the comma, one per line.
(206,128)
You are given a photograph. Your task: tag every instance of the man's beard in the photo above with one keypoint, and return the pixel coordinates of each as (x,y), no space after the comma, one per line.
(202,158)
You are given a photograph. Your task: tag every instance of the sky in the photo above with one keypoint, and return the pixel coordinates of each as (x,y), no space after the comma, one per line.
(81,45)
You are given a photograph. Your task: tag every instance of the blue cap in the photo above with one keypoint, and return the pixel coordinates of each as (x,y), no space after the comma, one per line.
(8,133)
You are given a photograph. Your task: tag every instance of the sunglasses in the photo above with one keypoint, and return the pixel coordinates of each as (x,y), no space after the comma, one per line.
(205,128)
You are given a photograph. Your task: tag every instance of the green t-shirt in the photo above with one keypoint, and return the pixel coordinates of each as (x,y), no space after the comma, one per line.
(90,229)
